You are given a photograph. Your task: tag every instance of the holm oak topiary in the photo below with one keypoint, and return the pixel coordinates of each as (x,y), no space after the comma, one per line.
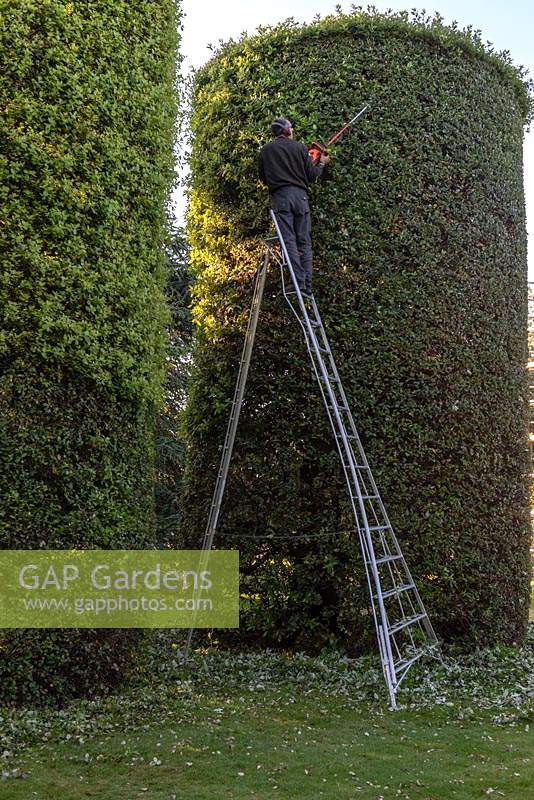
(420,275)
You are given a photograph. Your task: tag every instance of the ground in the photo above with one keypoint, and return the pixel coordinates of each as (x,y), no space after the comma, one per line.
(261,725)
(268,746)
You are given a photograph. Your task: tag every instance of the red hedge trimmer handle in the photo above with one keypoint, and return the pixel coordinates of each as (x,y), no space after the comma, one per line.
(317,150)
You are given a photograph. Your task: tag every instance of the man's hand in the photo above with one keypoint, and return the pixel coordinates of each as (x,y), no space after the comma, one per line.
(325,158)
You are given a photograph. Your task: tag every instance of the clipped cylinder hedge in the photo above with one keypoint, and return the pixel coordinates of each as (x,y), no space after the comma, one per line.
(420,270)
(88,100)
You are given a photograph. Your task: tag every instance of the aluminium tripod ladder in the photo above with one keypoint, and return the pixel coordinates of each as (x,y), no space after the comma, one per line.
(403,628)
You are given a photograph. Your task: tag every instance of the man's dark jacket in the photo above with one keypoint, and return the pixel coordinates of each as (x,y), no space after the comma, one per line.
(285,162)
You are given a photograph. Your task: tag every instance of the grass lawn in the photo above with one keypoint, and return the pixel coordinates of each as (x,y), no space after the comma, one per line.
(272,745)
(268,726)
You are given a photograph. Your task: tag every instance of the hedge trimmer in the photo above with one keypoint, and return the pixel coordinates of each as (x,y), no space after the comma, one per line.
(317,150)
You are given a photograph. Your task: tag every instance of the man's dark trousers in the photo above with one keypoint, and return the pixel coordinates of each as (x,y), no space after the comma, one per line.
(292,209)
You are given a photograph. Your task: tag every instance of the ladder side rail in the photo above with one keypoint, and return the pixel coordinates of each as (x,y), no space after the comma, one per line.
(335,421)
(396,578)
(375,588)
(332,419)
(237,403)
(387,667)
(284,262)
(348,475)
(354,432)
(311,337)
(351,480)
(313,347)
(374,487)
(384,636)
(363,457)
(360,527)
(220,484)
(374,490)
(395,575)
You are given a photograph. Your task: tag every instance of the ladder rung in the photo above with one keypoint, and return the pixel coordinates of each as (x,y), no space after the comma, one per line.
(404,623)
(405,587)
(330,379)
(370,497)
(356,466)
(379,527)
(404,663)
(387,559)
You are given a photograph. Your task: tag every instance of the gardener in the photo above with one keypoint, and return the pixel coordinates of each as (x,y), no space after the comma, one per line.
(286,167)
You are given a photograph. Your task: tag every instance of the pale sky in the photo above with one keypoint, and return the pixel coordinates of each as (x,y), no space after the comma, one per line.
(508,24)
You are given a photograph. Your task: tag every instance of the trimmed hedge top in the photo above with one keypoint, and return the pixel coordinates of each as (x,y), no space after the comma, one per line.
(272,39)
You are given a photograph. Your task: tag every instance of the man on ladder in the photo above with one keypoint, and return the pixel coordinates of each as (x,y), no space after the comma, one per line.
(404,631)
(286,166)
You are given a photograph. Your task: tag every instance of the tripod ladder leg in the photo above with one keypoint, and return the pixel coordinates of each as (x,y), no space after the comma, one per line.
(233,421)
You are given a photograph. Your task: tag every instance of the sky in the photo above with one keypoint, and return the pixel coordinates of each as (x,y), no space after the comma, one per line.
(508,24)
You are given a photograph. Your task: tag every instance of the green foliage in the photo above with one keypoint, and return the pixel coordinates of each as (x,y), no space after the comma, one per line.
(170,444)
(243,723)
(531,388)
(88,101)
(47,668)
(420,267)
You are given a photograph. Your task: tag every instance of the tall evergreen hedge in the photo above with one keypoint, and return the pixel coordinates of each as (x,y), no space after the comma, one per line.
(420,275)
(88,105)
